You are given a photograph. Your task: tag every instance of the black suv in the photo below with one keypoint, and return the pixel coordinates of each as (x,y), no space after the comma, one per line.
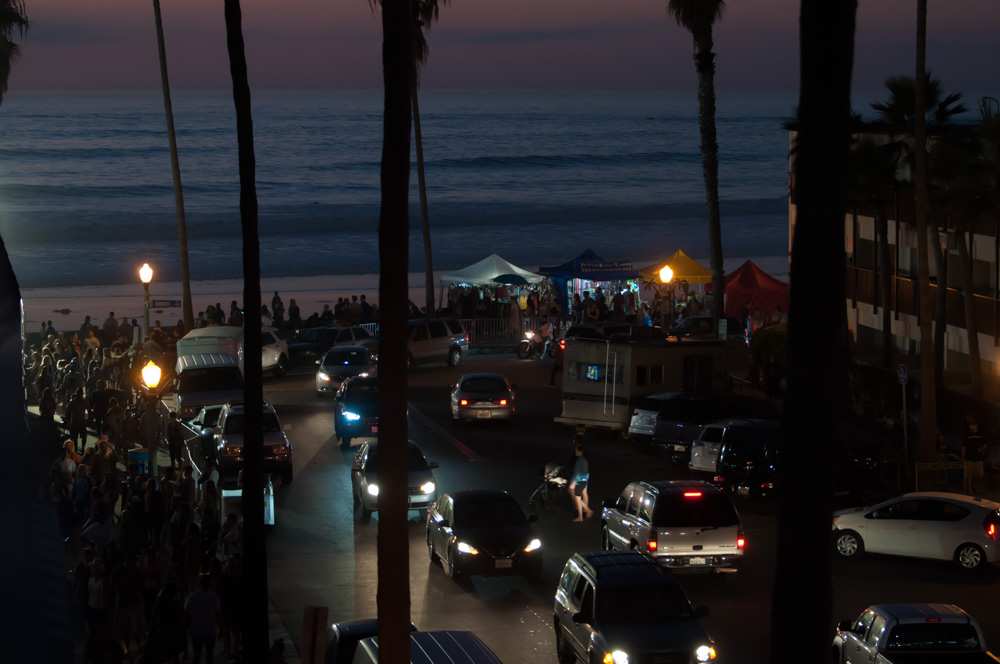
(623,607)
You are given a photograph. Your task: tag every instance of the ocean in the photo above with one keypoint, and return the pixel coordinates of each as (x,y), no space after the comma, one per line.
(86,194)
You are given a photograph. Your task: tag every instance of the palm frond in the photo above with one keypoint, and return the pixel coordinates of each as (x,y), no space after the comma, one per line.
(696,15)
(13,22)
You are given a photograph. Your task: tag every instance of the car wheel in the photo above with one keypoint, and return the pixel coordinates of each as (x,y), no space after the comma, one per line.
(605,539)
(970,557)
(848,544)
(454,357)
(448,566)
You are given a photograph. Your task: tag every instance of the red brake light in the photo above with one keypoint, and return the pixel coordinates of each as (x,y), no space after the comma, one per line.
(991,531)
(463,402)
(651,545)
(562,344)
(933,619)
(741,542)
(503,402)
(692,494)
(718,479)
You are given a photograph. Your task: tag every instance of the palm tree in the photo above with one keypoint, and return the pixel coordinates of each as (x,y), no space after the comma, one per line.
(699,17)
(175,171)
(398,70)
(424,13)
(817,332)
(255,628)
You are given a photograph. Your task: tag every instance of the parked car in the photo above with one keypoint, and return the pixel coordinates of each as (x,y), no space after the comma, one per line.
(315,341)
(910,633)
(356,412)
(749,459)
(340,363)
(672,420)
(618,608)
(484,533)
(702,327)
(205,426)
(437,340)
(421,487)
(229,442)
(934,525)
(705,450)
(443,647)
(685,524)
(345,636)
(482,396)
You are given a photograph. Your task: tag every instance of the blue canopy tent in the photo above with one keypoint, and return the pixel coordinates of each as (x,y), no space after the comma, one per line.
(588,266)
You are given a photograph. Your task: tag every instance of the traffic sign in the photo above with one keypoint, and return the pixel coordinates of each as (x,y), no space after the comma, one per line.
(165,304)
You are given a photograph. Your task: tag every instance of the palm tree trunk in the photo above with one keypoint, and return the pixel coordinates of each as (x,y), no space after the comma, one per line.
(255,627)
(704,59)
(888,348)
(12,403)
(425,220)
(940,312)
(969,302)
(393,598)
(817,334)
(175,172)
(928,410)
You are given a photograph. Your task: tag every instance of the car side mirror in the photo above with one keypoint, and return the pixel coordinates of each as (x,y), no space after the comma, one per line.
(845,626)
(433,464)
(581,618)
(701,611)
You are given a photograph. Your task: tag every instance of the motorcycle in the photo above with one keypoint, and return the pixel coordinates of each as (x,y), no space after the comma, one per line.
(553,484)
(533,345)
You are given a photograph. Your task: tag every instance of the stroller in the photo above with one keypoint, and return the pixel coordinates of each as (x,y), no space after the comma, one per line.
(553,484)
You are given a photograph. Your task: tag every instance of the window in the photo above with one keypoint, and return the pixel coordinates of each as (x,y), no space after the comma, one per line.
(566,580)
(641,376)
(210,378)
(711,435)
(938,510)
(587,605)
(622,504)
(268,421)
(418,332)
(673,510)
(579,588)
(878,626)
(438,329)
(904,509)
(487,384)
(346,358)
(656,374)
(934,637)
(645,605)
(633,503)
(646,508)
(862,624)
(266,339)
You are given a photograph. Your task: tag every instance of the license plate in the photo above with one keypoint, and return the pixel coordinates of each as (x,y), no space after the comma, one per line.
(483,414)
(679,448)
(374,428)
(696,561)
(504,563)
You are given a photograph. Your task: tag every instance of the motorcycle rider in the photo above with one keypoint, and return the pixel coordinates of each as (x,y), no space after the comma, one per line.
(545,333)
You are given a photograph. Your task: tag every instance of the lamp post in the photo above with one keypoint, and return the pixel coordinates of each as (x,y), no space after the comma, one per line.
(146,276)
(151,375)
(666,277)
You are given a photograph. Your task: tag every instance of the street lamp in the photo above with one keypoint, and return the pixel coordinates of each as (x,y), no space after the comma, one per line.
(666,274)
(146,276)
(151,374)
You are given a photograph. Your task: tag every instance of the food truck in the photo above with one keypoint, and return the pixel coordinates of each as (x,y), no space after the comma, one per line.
(602,379)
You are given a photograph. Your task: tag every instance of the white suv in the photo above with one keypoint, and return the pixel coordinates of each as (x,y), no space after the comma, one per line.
(942,526)
(681,524)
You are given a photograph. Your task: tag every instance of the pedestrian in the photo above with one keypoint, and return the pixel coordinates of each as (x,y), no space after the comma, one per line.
(124,330)
(235,315)
(99,403)
(973,454)
(231,538)
(175,443)
(366,310)
(209,512)
(47,405)
(69,462)
(579,481)
(233,605)
(110,329)
(265,317)
(294,314)
(86,327)
(203,609)
(186,487)
(167,638)
(277,307)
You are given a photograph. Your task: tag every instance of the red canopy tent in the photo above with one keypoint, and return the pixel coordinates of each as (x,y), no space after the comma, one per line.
(749,284)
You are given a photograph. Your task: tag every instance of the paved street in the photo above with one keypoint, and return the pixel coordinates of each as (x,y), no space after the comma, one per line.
(320,556)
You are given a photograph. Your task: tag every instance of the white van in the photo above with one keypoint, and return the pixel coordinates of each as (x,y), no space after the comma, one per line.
(228,339)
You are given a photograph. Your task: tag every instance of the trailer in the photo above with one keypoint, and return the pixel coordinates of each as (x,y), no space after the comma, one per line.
(601,380)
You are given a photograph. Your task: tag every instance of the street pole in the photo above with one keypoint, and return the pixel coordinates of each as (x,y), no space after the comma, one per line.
(145,288)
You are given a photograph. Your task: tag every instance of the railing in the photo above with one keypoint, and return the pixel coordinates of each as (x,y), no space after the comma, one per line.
(484,331)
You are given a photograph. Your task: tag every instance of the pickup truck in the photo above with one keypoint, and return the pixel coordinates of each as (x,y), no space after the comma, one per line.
(911,634)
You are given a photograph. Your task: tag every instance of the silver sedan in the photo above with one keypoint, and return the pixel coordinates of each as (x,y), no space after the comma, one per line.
(482,396)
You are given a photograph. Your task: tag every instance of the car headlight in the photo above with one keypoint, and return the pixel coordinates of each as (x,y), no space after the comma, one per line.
(533,545)
(323,376)
(705,653)
(373,490)
(529,334)
(616,657)
(427,487)
(467,549)
(351,416)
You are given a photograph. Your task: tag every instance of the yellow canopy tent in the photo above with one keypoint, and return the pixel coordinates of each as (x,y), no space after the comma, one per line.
(685,269)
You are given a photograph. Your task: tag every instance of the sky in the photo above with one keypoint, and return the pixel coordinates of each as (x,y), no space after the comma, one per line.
(100,45)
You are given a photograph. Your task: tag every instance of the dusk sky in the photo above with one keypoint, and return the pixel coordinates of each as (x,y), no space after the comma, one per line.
(579,44)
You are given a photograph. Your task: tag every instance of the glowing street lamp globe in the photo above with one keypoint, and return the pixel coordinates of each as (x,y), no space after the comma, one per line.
(666,274)
(145,273)
(151,374)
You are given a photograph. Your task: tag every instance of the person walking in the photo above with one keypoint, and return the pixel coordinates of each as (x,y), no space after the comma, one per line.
(175,443)
(203,608)
(99,403)
(294,314)
(166,638)
(110,329)
(579,480)
(973,454)
(277,309)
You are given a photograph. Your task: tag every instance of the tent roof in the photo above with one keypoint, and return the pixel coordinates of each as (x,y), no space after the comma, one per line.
(748,285)
(589,265)
(485,271)
(685,269)
(750,276)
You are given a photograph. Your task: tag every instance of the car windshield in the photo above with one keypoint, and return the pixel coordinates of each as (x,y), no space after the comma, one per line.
(365,392)
(484,384)
(269,423)
(414,459)
(642,605)
(674,510)
(209,379)
(493,511)
(751,435)
(742,452)
(211,417)
(934,636)
(346,358)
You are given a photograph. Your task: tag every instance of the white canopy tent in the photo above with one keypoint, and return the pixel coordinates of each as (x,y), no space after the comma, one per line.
(483,272)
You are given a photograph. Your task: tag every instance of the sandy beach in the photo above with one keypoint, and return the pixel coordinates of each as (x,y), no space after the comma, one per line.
(67,306)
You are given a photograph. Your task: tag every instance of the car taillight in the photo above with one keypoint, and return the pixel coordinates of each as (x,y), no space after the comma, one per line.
(503,402)
(718,479)
(651,545)
(562,344)
(692,495)
(992,527)
(463,402)
(741,542)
